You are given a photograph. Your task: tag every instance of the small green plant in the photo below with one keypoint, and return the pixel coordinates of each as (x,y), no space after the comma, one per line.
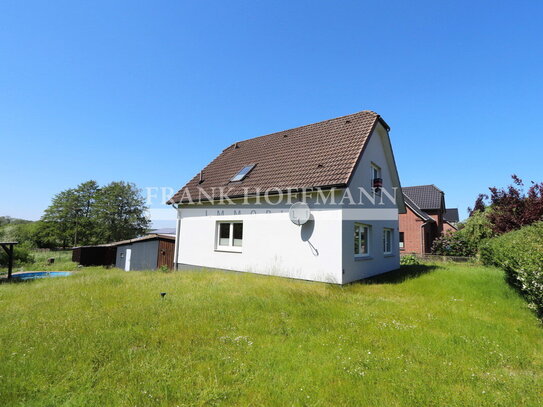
(409,260)
(164,269)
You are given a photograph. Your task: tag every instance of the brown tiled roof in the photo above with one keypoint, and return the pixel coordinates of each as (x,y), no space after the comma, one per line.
(322,154)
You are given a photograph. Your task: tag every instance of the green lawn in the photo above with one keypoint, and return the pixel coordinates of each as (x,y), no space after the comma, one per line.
(448,335)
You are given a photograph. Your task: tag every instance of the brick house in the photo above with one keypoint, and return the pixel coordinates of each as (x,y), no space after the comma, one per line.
(426,218)
(450,220)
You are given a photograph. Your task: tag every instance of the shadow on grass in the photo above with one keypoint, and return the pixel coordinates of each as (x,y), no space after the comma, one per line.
(400,275)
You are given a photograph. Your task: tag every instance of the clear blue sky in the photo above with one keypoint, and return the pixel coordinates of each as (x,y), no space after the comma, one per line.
(150,92)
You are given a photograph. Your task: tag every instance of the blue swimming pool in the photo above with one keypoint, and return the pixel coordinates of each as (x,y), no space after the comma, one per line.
(40,274)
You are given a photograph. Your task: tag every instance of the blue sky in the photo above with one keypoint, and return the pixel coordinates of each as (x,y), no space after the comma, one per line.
(150,92)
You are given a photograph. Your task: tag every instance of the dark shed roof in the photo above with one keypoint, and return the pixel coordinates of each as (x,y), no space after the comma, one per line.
(137,239)
(163,231)
(143,238)
(322,154)
(426,197)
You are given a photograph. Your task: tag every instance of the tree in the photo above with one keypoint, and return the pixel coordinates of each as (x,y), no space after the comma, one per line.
(476,228)
(89,215)
(479,206)
(83,211)
(120,212)
(514,208)
(60,217)
(511,208)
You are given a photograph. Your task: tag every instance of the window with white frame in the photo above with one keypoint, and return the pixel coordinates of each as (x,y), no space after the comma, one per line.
(361,240)
(229,236)
(387,241)
(402,245)
(375,172)
(376,180)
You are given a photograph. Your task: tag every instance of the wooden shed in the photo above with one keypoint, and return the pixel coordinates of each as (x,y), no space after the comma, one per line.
(143,253)
(99,255)
(146,253)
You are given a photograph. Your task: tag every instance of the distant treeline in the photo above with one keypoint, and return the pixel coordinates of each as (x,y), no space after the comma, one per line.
(8,220)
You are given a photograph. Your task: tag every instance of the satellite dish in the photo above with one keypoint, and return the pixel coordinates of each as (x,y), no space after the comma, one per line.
(299,213)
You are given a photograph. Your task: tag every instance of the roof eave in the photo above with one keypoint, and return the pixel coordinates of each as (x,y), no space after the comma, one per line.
(264,193)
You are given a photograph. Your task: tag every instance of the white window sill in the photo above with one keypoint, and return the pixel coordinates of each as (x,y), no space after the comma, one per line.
(228,249)
(362,258)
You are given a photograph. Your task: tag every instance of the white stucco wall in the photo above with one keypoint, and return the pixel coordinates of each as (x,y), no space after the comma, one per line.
(362,177)
(380,216)
(377,262)
(321,250)
(272,244)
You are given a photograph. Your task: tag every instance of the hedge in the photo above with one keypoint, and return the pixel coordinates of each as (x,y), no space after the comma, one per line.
(520,254)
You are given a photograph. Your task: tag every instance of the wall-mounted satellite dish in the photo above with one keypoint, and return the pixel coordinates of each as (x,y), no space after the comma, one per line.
(299,213)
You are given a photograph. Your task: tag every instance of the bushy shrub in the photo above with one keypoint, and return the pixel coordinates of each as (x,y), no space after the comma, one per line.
(409,260)
(520,254)
(21,255)
(477,228)
(454,244)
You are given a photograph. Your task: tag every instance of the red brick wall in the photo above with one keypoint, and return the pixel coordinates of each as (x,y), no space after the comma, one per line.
(447,227)
(410,225)
(438,217)
(417,240)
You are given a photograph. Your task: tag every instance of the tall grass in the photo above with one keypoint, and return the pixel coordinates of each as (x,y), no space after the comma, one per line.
(452,335)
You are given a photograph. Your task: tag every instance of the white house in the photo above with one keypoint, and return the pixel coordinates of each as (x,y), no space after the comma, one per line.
(234,214)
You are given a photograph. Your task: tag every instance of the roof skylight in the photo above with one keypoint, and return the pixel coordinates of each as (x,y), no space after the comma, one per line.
(243,173)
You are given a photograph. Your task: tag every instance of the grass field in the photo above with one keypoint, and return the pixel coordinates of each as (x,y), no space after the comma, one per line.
(443,335)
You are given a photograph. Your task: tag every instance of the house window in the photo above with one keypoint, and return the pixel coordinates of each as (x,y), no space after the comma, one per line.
(401,241)
(242,173)
(229,236)
(237,234)
(387,241)
(375,172)
(376,180)
(361,240)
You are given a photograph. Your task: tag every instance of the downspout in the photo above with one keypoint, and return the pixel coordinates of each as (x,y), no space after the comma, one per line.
(176,247)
